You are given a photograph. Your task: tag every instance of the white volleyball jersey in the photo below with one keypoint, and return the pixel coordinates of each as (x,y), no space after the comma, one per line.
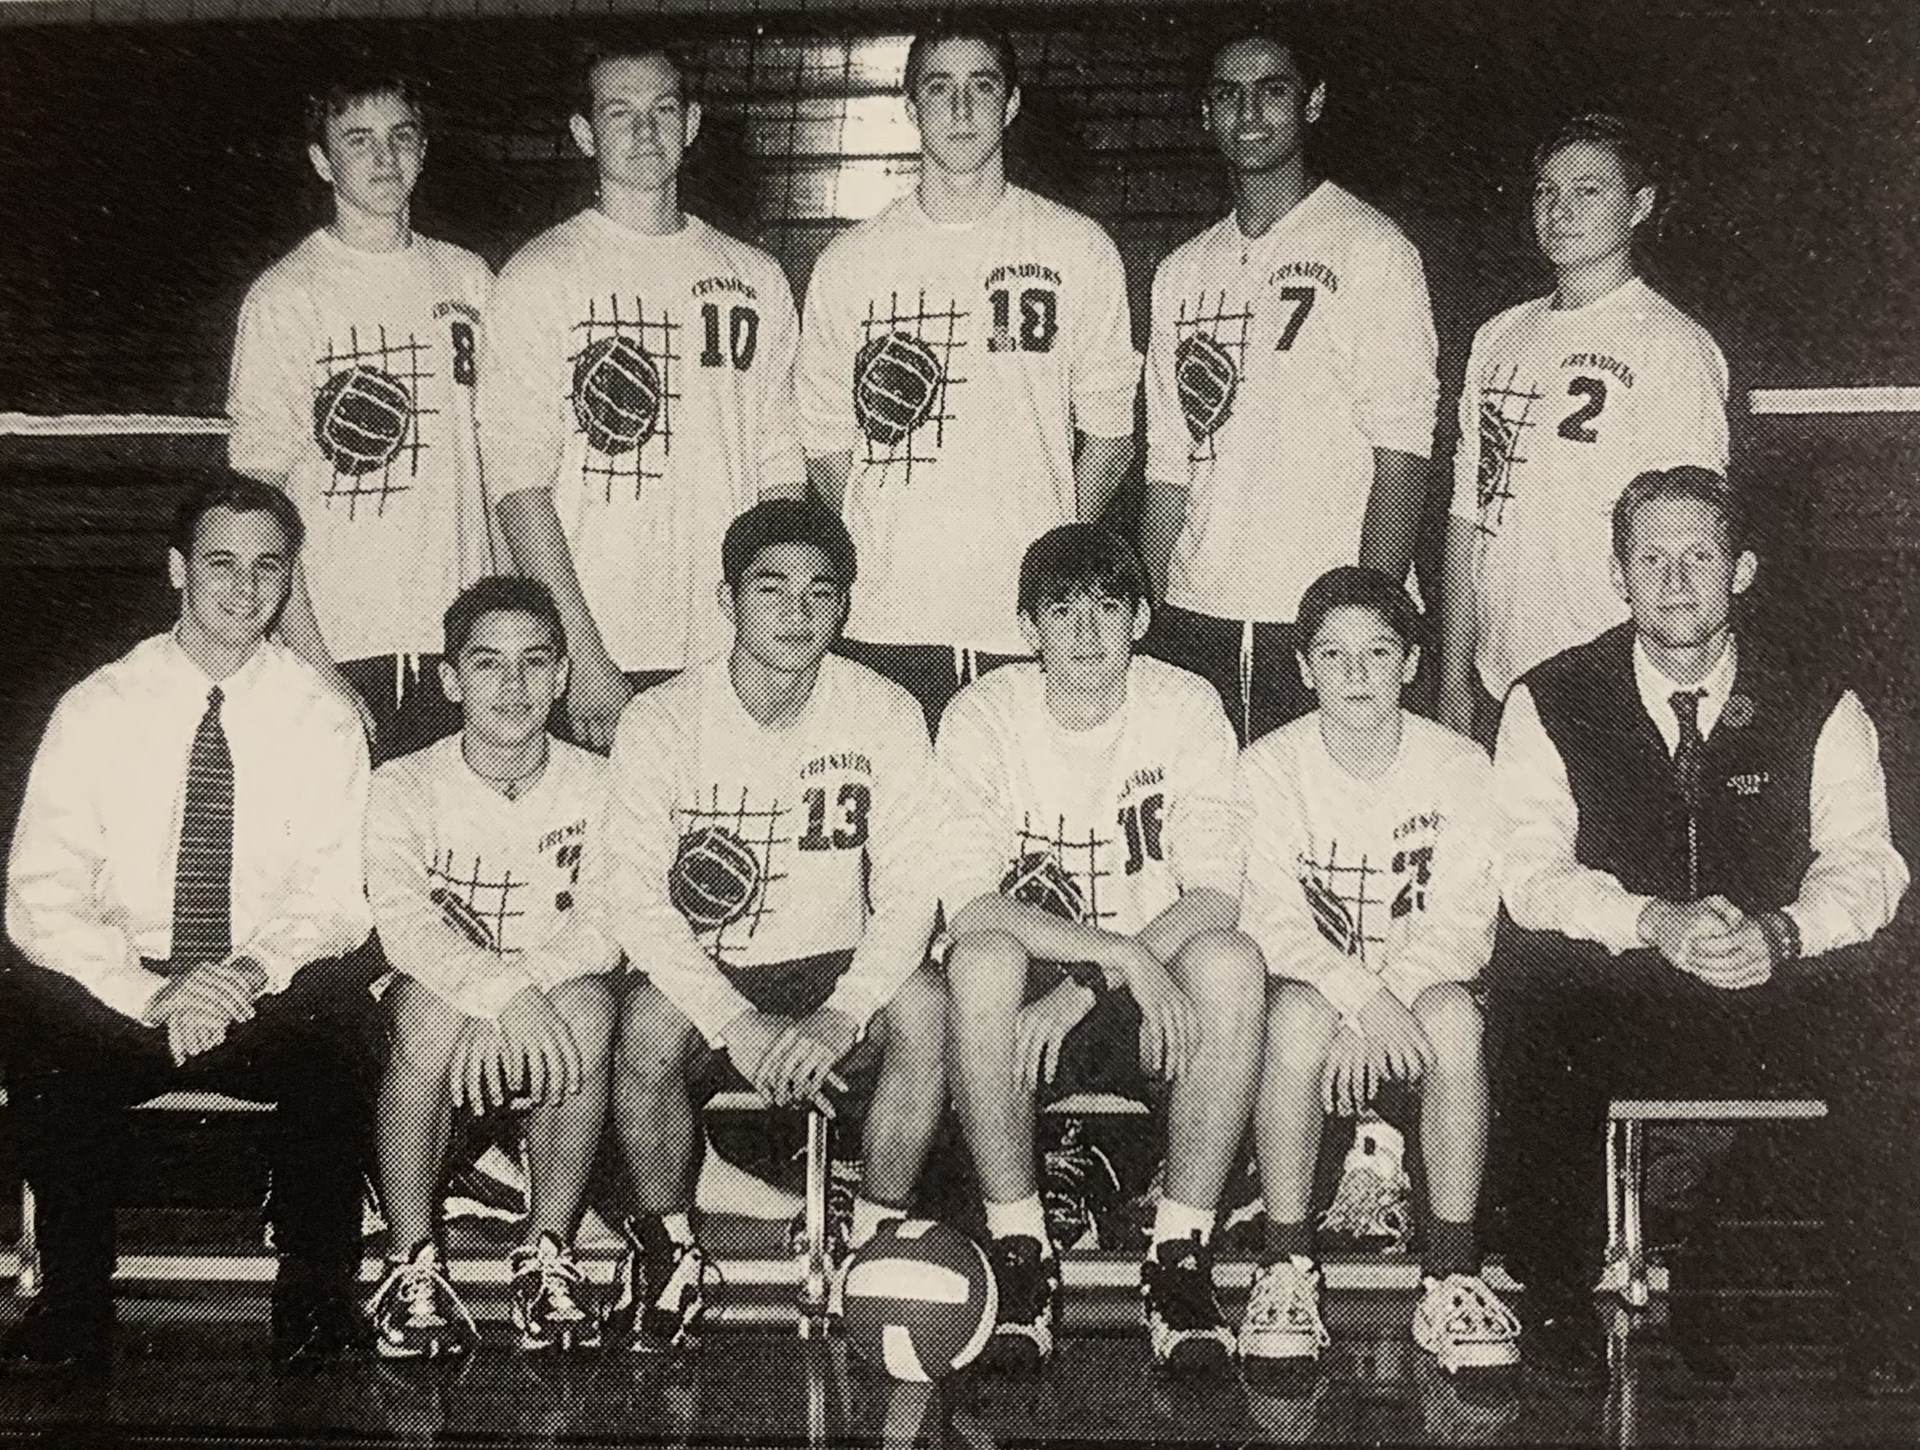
(738,844)
(352,387)
(1353,884)
(648,381)
(1134,811)
(1561,409)
(1277,365)
(956,362)
(474,894)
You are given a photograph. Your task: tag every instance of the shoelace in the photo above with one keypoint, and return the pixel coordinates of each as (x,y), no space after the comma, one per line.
(1284,1295)
(560,1280)
(419,1290)
(1183,1291)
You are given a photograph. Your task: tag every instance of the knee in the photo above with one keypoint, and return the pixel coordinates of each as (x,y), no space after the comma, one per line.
(655,1038)
(1452,1021)
(1225,975)
(1300,1028)
(425,1030)
(986,974)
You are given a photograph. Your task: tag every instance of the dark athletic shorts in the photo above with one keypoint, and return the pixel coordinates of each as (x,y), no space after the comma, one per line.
(791,989)
(1102,1052)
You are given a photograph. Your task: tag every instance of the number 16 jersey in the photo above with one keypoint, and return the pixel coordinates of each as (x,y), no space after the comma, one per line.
(1561,409)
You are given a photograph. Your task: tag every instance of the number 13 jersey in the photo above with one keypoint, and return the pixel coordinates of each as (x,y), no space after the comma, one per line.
(1561,409)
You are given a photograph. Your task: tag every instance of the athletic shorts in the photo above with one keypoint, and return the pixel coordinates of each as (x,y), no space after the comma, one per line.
(791,989)
(410,710)
(932,673)
(1102,1052)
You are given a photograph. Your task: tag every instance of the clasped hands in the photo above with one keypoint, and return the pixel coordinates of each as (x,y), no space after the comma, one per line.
(1711,939)
(199,1007)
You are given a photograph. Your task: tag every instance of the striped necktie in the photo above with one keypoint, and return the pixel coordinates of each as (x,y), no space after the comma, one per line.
(203,874)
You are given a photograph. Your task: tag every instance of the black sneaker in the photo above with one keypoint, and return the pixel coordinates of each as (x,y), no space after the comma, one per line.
(56,1331)
(1028,1280)
(1177,1304)
(660,1291)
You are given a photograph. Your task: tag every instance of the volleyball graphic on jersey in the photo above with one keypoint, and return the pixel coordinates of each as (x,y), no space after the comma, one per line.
(715,878)
(361,416)
(1038,879)
(616,394)
(1206,378)
(1330,914)
(1499,436)
(460,915)
(896,381)
(920,1300)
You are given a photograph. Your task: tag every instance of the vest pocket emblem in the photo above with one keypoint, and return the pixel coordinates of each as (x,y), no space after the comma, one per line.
(1749,784)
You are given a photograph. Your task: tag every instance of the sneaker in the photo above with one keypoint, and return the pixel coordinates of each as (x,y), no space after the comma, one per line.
(1372,1206)
(552,1305)
(1282,1323)
(1080,1191)
(1463,1325)
(416,1314)
(1177,1303)
(1028,1280)
(660,1295)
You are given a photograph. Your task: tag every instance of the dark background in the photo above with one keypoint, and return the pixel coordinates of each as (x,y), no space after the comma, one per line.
(148,171)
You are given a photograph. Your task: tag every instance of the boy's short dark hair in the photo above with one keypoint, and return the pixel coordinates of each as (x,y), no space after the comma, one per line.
(1352,587)
(1290,35)
(1688,481)
(1610,133)
(500,593)
(593,54)
(1078,559)
(349,86)
(777,521)
(960,27)
(224,489)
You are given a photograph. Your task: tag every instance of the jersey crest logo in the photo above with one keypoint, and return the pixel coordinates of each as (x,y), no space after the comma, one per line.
(1038,879)
(1207,379)
(715,880)
(616,394)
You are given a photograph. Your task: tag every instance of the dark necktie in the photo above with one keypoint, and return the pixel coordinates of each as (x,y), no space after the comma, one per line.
(1689,754)
(203,874)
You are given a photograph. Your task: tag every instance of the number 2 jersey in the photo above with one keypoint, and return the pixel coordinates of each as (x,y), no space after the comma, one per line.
(352,387)
(648,381)
(1106,826)
(956,362)
(475,895)
(1357,885)
(733,843)
(1277,365)
(1561,409)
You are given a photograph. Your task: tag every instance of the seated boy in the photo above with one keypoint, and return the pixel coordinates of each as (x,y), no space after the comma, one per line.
(1369,888)
(770,829)
(1092,889)
(474,852)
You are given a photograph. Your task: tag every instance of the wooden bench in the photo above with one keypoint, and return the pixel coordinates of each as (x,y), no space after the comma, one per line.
(1628,1272)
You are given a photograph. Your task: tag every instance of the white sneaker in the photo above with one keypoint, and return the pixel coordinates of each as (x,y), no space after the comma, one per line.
(417,1315)
(1463,1325)
(1372,1205)
(1282,1321)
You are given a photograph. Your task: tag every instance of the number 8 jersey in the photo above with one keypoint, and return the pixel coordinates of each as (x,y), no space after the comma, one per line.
(1561,409)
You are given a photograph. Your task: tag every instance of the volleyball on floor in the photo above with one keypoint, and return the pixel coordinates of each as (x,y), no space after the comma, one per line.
(920,1300)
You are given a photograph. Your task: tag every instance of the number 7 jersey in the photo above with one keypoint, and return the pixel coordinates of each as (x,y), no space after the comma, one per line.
(1561,409)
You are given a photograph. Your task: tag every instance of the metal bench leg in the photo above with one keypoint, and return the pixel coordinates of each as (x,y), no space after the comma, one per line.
(27,1285)
(813,1266)
(1634,1170)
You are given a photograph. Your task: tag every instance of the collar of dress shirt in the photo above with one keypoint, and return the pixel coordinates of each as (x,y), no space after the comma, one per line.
(1657,691)
(185,670)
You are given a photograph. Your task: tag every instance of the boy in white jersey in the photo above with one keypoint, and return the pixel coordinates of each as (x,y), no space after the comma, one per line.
(475,848)
(1567,398)
(1369,888)
(1290,394)
(966,379)
(639,395)
(1091,886)
(770,830)
(352,388)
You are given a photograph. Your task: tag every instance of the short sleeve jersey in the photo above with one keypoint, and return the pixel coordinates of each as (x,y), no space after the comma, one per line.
(956,363)
(1392,876)
(467,886)
(1106,826)
(648,381)
(1561,409)
(352,387)
(1276,366)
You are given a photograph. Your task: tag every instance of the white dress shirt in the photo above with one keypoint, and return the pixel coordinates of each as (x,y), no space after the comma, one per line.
(90,881)
(1849,893)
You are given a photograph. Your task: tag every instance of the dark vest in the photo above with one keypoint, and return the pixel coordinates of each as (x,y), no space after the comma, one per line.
(1753,828)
